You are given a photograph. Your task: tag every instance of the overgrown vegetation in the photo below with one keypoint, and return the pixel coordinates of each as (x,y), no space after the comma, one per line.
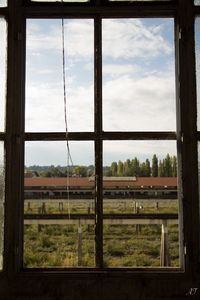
(124,245)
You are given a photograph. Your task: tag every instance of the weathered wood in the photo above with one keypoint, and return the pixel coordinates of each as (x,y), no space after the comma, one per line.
(79,244)
(164,248)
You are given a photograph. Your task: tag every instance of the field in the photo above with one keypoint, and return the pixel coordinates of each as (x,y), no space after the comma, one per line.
(124,245)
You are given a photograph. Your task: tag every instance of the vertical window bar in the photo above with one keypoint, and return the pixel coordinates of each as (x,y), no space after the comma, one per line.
(98,143)
(177,34)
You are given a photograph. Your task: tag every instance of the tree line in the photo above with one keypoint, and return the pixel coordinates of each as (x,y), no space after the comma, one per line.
(166,167)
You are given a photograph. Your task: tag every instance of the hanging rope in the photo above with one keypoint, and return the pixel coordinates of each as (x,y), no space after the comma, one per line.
(69,157)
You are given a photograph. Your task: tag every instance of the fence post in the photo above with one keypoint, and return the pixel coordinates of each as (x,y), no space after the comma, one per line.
(137,211)
(29,207)
(164,248)
(60,206)
(79,244)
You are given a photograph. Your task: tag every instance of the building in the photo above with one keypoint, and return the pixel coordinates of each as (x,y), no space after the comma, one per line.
(113,187)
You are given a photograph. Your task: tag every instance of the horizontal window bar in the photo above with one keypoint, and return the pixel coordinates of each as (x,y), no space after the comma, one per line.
(60,136)
(139,135)
(198,136)
(2,136)
(105,216)
(103,11)
(89,136)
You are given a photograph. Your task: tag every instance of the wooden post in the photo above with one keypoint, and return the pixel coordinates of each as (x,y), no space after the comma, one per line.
(156,205)
(137,211)
(164,248)
(43,208)
(60,206)
(89,212)
(135,205)
(79,244)
(29,206)
(92,206)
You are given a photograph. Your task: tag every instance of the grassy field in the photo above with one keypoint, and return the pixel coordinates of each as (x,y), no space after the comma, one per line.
(124,245)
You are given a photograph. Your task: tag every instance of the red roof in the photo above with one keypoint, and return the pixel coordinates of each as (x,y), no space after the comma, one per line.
(88,182)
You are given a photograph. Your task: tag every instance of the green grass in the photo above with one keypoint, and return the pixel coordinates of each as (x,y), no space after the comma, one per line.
(124,245)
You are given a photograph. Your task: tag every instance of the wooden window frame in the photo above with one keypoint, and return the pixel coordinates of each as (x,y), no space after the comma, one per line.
(187,137)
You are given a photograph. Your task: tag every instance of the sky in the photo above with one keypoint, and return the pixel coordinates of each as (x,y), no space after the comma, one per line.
(3,3)
(138,86)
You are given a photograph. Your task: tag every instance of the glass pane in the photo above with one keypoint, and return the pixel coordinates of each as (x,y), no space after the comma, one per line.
(197,53)
(59,205)
(140,204)
(197,2)
(3,3)
(60,1)
(3,64)
(138,75)
(44,79)
(141,0)
(2,187)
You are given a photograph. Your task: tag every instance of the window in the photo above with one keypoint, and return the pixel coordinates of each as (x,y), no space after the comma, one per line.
(139,104)
(121,207)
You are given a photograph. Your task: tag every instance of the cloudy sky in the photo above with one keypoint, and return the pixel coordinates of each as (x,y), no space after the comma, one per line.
(138,86)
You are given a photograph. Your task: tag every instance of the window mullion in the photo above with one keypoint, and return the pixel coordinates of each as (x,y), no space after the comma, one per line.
(98,143)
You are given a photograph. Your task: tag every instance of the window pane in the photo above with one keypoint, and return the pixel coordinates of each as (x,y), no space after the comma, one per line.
(44,79)
(59,1)
(197,2)
(142,0)
(138,75)
(197,52)
(3,57)
(3,3)
(59,205)
(2,187)
(140,204)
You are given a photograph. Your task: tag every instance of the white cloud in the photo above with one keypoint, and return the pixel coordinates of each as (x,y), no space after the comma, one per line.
(45,108)
(78,38)
(132,38)
(144,104)
(115,70)
(121,38)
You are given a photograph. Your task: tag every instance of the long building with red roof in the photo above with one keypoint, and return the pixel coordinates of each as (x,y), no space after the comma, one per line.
(84,187)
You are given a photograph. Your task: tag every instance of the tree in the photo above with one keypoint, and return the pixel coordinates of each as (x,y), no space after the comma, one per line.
(143,169)
(120,168)
(161,169)
(174,166)
(114,168)
(148,168)
(80,171)
(127,168)
(135,166)
(154,166)
(167,166)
